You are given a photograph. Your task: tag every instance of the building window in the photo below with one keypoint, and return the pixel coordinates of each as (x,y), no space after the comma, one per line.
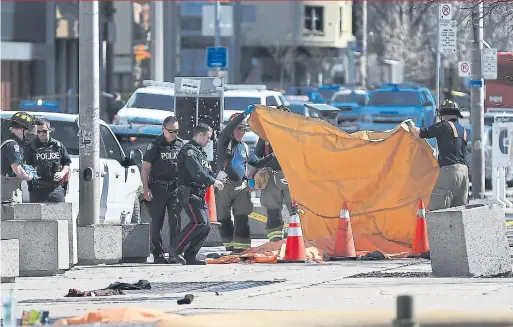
(314,19)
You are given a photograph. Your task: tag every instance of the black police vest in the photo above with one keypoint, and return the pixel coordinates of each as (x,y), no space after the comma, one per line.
(47,159)
(184,178)
(452,146)
(6,168)
(165,166)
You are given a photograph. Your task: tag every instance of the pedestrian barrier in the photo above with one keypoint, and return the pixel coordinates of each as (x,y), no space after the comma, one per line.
(420,243)
(344,241)
(295,251)
(210,199)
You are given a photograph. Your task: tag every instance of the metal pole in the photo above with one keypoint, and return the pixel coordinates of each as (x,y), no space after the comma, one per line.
(157,35)
(170,35)
(235,57)
(89,113)
(438,59)
(363,58)
(217,42)
(477,105)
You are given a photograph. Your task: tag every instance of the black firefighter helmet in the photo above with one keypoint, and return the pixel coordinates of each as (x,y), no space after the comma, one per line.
(23,120)
(450,107)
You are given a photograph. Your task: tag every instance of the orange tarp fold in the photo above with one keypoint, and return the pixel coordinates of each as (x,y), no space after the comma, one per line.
(381,175)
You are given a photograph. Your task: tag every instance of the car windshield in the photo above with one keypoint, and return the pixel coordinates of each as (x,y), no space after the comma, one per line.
(133,142)
(152,101)
(327,93)
(394,98)
(350,98)
(240,103)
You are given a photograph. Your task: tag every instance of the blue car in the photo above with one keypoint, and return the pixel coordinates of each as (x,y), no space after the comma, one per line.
(391,104)
(350,102)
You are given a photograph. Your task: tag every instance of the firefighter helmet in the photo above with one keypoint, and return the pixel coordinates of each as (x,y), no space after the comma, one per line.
(450,107)
(23,120)
(243,124)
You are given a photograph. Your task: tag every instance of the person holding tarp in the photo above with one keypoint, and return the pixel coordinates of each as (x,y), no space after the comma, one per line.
(452,185)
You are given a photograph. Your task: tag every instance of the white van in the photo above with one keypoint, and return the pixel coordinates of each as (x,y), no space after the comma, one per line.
(119,186)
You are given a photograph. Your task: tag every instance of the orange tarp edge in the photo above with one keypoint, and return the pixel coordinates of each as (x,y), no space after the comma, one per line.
(381,175)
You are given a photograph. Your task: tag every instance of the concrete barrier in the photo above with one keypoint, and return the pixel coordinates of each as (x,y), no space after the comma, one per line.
(468,241)
(44,245)
(52,211)
(10,267)
(99,244)
(136,243)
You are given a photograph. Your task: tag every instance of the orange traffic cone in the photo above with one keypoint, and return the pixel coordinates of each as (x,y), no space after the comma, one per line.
(210,199)
(420,242)
(344,242)
(295,248)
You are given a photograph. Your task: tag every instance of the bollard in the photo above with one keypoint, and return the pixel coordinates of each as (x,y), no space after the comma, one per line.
(404,317)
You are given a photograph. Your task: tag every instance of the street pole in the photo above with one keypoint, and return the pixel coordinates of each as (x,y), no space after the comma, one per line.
(438,59)
(157,36)
(217,41)
(477,105)
(363,58)
(235,57)
(170,36)
(89,113)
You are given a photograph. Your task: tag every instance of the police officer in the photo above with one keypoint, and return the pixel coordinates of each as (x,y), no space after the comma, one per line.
(159,177)
(451,188)
(275,192)
(51,160)
(194,177)
(13,165)
(232,166)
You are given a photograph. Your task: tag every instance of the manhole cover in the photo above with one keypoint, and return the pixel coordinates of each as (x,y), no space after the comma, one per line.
(165,288)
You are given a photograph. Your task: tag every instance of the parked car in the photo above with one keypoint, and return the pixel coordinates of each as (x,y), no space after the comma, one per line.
(350,102)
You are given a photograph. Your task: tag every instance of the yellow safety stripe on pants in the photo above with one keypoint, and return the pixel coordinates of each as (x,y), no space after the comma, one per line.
(275,234)
(241,246)
(509,223)
(227,245)
(258,217)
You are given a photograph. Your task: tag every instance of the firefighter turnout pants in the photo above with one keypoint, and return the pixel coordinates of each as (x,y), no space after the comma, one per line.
(194,234)
(165,196)
(451,189)
(273,197)
(236,235)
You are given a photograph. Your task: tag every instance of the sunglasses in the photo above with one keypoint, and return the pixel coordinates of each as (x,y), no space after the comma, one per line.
(43,131)
(172,131)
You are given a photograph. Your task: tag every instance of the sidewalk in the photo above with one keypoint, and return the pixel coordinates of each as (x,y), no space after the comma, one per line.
(350,285)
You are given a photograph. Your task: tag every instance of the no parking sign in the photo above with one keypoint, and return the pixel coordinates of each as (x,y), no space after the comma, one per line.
(464,69)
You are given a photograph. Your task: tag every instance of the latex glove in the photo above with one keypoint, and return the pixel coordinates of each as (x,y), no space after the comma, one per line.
(31,172)
(249,110)
(219,185)
(58,176)
(243,186)
(147,195)
(222,176)
(251,184)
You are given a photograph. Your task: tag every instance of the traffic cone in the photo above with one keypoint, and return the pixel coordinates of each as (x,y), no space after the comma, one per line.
(295,251)
(210,199)
(344,242)
(420,244)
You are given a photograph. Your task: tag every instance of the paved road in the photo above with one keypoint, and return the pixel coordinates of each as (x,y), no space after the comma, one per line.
(356,285)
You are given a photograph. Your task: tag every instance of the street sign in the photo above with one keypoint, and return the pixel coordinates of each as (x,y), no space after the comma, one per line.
(217,57)
(502,129)
(476,83)
(445,10)
(190,86)
(489,60)
(448,36)
(208,25)
(464,69)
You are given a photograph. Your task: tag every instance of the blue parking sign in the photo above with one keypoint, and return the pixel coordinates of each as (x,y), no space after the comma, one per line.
(217,57)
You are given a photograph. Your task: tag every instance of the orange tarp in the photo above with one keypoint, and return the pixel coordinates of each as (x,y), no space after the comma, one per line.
(381,175)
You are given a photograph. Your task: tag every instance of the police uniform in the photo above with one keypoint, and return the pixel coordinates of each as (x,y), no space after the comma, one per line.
(195,176)
(233,159)
(47,158)
(452,185)
(275,194)
(163,186)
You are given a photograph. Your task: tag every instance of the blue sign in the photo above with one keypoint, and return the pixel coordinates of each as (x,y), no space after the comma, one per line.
(217,57)
(476,83)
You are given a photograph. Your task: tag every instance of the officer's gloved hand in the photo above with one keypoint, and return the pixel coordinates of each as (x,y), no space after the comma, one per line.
(58,176)
(249,110)
(31,172)
(219,185)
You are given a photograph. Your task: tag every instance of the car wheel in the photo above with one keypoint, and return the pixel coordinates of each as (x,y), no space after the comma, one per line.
(136,212)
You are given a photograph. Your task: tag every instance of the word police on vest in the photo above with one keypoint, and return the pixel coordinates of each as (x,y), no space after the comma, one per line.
(168,155)
(48,156)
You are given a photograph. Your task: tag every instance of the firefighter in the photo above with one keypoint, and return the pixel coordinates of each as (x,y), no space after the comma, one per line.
(275,190)
(159,177)
(51,160)
(234,156)
(195,176)
(13,165)
(451,188)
